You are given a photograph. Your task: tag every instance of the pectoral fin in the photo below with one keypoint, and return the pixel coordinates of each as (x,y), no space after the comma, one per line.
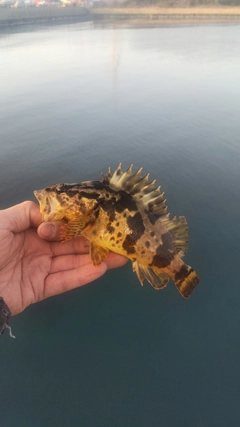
(157,280)
(98,253)
(71,229)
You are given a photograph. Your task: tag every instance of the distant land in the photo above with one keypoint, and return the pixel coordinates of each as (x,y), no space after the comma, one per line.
(122,13)
(175,3)
(153,13)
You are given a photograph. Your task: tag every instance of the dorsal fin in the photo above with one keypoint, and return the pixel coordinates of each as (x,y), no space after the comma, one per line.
(144,192)
(178,228)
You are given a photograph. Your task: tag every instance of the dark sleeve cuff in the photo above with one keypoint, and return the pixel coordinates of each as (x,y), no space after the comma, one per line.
(5,316)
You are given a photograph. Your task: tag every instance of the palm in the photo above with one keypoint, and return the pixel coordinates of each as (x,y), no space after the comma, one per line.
(25,264)
(32,269)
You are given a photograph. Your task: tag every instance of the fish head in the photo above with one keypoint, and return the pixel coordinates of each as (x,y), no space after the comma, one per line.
(66,201)
(52,204)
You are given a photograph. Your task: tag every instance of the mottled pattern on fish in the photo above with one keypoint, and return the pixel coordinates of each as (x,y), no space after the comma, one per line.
(126,214)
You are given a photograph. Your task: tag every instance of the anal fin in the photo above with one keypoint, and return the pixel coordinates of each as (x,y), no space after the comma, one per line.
(98,253)
(157,280)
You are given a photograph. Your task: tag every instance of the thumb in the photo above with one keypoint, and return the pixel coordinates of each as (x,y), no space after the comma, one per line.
(50,230)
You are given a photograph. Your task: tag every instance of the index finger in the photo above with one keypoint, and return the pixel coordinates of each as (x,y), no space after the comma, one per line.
(79,245)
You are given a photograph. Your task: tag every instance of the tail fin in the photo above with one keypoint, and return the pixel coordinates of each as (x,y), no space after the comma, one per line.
(185,280)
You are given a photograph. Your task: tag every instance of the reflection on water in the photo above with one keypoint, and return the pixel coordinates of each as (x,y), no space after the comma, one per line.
(74,100)
(115,55)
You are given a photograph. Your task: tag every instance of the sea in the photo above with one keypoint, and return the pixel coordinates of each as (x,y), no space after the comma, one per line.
(76,99)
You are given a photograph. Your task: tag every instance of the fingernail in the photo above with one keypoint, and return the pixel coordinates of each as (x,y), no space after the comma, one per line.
(47,230)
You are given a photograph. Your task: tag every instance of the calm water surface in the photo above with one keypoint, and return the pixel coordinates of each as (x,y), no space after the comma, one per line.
(76,99)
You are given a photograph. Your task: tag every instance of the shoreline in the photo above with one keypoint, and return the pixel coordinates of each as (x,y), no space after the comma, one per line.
(130,16)
(154,10)
(163,15)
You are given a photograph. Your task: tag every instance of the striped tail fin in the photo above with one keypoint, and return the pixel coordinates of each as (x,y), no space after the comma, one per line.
(185,280)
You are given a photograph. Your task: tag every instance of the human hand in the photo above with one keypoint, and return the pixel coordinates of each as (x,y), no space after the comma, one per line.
(32,269)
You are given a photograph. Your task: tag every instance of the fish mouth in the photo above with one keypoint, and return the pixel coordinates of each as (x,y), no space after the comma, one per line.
(38,194)
(47,204)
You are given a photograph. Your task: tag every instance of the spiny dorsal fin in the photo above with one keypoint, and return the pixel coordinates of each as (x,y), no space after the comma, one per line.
(106,178)
(178,228)
(139,188)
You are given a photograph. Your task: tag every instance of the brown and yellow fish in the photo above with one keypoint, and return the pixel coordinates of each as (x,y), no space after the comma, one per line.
(126,214)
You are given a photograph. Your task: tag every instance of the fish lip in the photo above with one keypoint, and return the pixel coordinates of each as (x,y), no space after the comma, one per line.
(47,206)
(38,194)
(44,203)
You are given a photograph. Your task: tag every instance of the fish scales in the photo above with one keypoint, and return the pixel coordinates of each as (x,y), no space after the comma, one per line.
(126,214)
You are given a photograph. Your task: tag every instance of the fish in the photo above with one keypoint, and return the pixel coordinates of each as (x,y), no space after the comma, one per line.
(127,214)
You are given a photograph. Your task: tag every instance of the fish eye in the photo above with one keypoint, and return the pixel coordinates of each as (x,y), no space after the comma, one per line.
(61,188)
(58,189)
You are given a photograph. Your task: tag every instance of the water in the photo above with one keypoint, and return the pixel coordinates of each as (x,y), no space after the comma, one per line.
(74,100)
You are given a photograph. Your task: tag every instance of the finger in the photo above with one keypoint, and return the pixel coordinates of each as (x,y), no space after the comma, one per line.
(80,245)
(115,260)
(64,281)
(50,230)
(21,217)
(69,262)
